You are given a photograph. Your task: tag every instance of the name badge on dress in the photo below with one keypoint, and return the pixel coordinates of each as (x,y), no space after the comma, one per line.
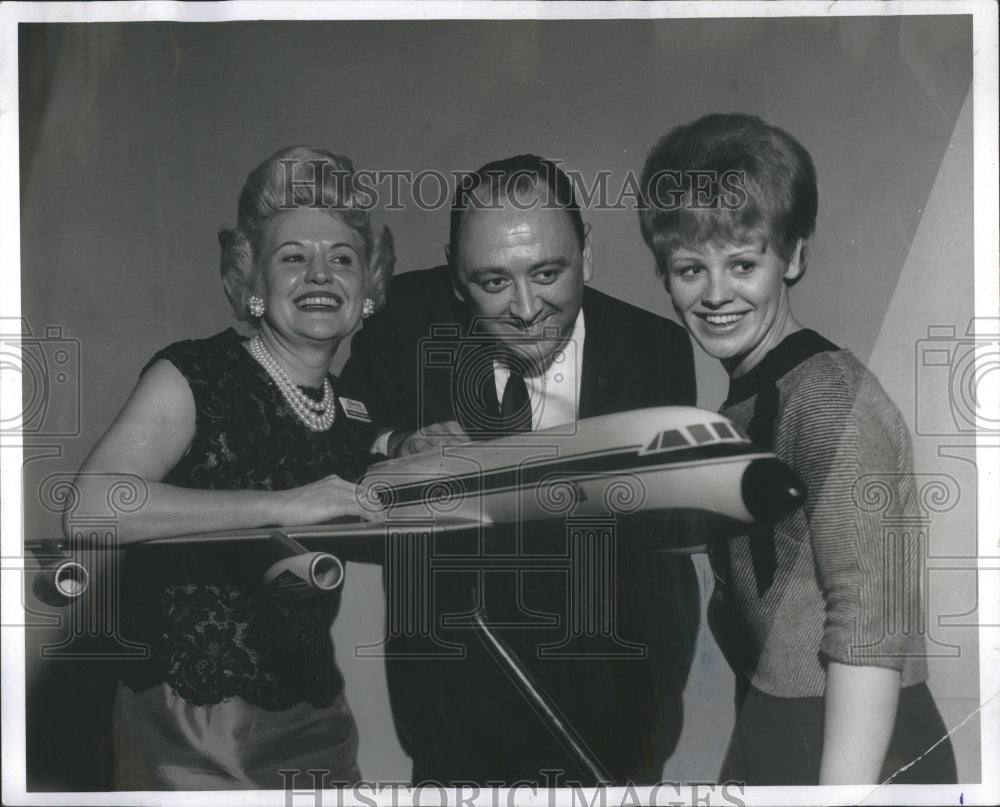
(355,410)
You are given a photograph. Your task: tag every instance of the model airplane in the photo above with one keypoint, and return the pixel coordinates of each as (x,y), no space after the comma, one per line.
(679,459)
(663,458)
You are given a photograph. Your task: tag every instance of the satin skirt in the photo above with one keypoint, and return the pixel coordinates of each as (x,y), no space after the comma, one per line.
(162,742)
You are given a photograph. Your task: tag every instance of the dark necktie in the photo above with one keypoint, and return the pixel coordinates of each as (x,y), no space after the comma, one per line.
(515,408)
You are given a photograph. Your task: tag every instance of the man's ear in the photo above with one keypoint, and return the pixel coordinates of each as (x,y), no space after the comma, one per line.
(588,256)
(797,265)
(454,273)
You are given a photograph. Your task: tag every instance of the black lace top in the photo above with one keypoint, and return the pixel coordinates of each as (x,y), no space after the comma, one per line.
(213,632)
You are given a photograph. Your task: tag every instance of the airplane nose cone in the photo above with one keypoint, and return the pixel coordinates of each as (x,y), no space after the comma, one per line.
(770,489)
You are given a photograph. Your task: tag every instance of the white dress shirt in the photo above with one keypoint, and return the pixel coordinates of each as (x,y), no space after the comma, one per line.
(555,394)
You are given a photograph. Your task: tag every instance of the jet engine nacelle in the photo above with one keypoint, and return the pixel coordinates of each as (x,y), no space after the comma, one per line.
(298,572)
(61,578)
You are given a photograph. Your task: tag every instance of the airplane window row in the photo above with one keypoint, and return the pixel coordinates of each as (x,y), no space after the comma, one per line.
(697,434)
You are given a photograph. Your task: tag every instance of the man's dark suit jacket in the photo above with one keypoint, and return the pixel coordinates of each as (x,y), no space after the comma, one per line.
(463,720)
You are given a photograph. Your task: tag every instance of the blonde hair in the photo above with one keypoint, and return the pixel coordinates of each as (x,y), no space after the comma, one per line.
(293,178)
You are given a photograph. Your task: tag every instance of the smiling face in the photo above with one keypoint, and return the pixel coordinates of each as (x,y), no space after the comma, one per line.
(733,299)
(313,273)
(522,273)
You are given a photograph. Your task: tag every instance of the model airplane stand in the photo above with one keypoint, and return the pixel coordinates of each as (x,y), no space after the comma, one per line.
(540,702)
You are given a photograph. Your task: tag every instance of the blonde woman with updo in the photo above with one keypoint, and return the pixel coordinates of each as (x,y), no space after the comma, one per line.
(231,432)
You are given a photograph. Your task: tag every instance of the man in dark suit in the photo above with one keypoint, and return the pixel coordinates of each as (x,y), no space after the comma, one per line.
(507,338)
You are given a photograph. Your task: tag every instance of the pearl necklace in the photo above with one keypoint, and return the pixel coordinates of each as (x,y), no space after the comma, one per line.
(317,416)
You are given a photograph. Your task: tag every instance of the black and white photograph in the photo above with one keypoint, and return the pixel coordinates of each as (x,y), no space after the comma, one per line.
(473,403)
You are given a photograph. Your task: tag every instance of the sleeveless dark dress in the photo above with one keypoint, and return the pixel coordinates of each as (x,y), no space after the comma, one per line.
(238,685)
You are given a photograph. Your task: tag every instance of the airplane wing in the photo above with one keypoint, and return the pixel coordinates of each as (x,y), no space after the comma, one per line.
(327,536)
(688,462)
(304,560)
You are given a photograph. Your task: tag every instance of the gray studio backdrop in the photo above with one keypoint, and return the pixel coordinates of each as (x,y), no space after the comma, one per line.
(136,139)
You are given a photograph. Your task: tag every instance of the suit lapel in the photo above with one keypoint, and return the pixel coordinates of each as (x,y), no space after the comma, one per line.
(594,379)
(439,331)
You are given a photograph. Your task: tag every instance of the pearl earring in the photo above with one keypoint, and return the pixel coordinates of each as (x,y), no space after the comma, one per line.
(256,306)
(367,307)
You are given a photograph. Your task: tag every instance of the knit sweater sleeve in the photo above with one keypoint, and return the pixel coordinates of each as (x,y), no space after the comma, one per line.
(841,432)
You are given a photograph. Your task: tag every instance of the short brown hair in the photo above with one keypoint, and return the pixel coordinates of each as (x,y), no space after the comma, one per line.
(730,176)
